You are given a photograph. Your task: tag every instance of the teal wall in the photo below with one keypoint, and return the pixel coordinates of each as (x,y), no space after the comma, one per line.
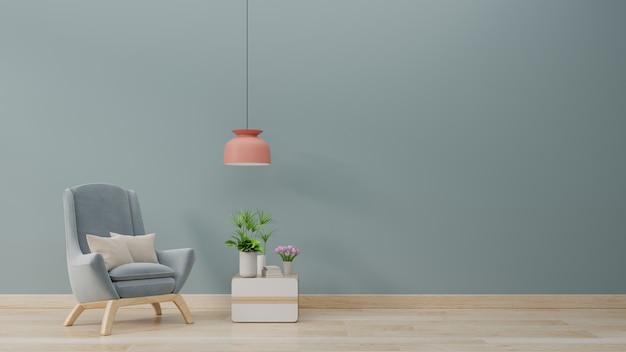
(418,146)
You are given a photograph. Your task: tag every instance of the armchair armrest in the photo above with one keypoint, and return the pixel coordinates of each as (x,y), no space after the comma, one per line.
(180,260)
(89,278)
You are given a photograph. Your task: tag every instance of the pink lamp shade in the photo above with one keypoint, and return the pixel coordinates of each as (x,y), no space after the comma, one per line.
(246,149)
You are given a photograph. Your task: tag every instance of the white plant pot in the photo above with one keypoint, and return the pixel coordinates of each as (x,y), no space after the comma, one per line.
(247,264)
(260,263)
(287,268)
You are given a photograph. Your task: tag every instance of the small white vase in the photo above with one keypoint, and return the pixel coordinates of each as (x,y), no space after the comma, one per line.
(287,268)
(247,264)
(260,263)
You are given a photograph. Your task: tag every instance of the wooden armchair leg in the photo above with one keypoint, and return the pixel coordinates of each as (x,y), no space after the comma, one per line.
(74,314)
(109,317)
(157,308)
(179,301)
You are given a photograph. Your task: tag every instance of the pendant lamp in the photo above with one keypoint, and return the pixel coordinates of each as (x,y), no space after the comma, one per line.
(247,149)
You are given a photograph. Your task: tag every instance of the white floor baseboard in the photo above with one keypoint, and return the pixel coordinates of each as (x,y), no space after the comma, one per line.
(334,301)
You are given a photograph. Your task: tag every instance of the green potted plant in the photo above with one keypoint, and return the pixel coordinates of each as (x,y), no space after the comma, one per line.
(247,239)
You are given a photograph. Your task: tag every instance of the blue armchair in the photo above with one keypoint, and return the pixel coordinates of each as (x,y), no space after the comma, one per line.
(99,209)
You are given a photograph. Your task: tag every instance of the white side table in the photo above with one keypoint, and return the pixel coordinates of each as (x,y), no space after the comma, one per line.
(264,299)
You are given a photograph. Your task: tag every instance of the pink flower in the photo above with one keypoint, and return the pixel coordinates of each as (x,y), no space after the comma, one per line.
(287,253)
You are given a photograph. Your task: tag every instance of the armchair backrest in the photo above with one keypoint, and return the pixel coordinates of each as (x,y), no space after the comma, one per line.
(98,209)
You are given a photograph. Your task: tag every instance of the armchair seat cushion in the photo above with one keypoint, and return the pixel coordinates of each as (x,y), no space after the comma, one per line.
(140,271)
(146,287)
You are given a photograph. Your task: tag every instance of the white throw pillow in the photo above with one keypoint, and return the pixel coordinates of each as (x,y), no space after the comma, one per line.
(141,247)
(114,250)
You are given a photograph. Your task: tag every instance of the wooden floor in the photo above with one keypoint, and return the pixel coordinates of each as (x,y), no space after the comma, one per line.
(138,329)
